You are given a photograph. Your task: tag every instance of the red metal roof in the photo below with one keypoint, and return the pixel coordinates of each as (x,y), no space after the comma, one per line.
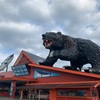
(7,74)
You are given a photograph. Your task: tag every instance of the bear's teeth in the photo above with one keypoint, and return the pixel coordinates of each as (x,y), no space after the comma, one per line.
(47,43)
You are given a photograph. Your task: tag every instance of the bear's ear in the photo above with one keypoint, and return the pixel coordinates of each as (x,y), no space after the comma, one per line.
(46,32)
(59,33)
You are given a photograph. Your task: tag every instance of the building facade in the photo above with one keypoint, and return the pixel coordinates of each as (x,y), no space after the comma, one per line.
(28,79)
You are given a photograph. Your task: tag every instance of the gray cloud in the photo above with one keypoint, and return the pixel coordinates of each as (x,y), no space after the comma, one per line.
(18,34)
(22,22)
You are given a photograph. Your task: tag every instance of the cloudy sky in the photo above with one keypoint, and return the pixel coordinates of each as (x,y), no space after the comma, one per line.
(22,22)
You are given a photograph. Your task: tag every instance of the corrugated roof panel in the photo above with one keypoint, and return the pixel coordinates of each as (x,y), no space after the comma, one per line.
(35,58)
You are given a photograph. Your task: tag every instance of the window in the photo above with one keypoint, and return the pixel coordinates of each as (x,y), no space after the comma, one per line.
(94,93)
(38,73)
(71,93)
(21,70)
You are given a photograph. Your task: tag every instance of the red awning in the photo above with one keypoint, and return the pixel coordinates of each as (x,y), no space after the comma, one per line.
(84,84)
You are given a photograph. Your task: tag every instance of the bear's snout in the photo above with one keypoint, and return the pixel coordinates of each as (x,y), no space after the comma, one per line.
(43,35)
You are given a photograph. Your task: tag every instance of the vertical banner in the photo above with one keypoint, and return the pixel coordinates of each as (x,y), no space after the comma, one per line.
(11,88)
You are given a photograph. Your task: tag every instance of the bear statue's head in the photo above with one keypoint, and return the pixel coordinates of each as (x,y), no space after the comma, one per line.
(52,40)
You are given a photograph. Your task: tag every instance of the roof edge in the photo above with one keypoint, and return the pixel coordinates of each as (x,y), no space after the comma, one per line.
(66,70)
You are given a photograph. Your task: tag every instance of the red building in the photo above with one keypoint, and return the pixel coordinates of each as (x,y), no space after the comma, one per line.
(31,80)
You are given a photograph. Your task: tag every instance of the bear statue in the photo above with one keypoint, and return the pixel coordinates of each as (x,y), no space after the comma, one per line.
(76,50)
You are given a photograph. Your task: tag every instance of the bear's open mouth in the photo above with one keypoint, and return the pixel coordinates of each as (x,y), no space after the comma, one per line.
(47,43)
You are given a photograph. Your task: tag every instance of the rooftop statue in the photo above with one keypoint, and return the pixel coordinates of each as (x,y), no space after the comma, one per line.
(76,50)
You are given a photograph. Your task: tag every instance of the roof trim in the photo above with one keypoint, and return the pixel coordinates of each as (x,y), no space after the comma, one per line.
(20,56)
(18,59)
(18,79)
(26,54)
(65,70)
(58,85)
(23,52)
(71,83)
